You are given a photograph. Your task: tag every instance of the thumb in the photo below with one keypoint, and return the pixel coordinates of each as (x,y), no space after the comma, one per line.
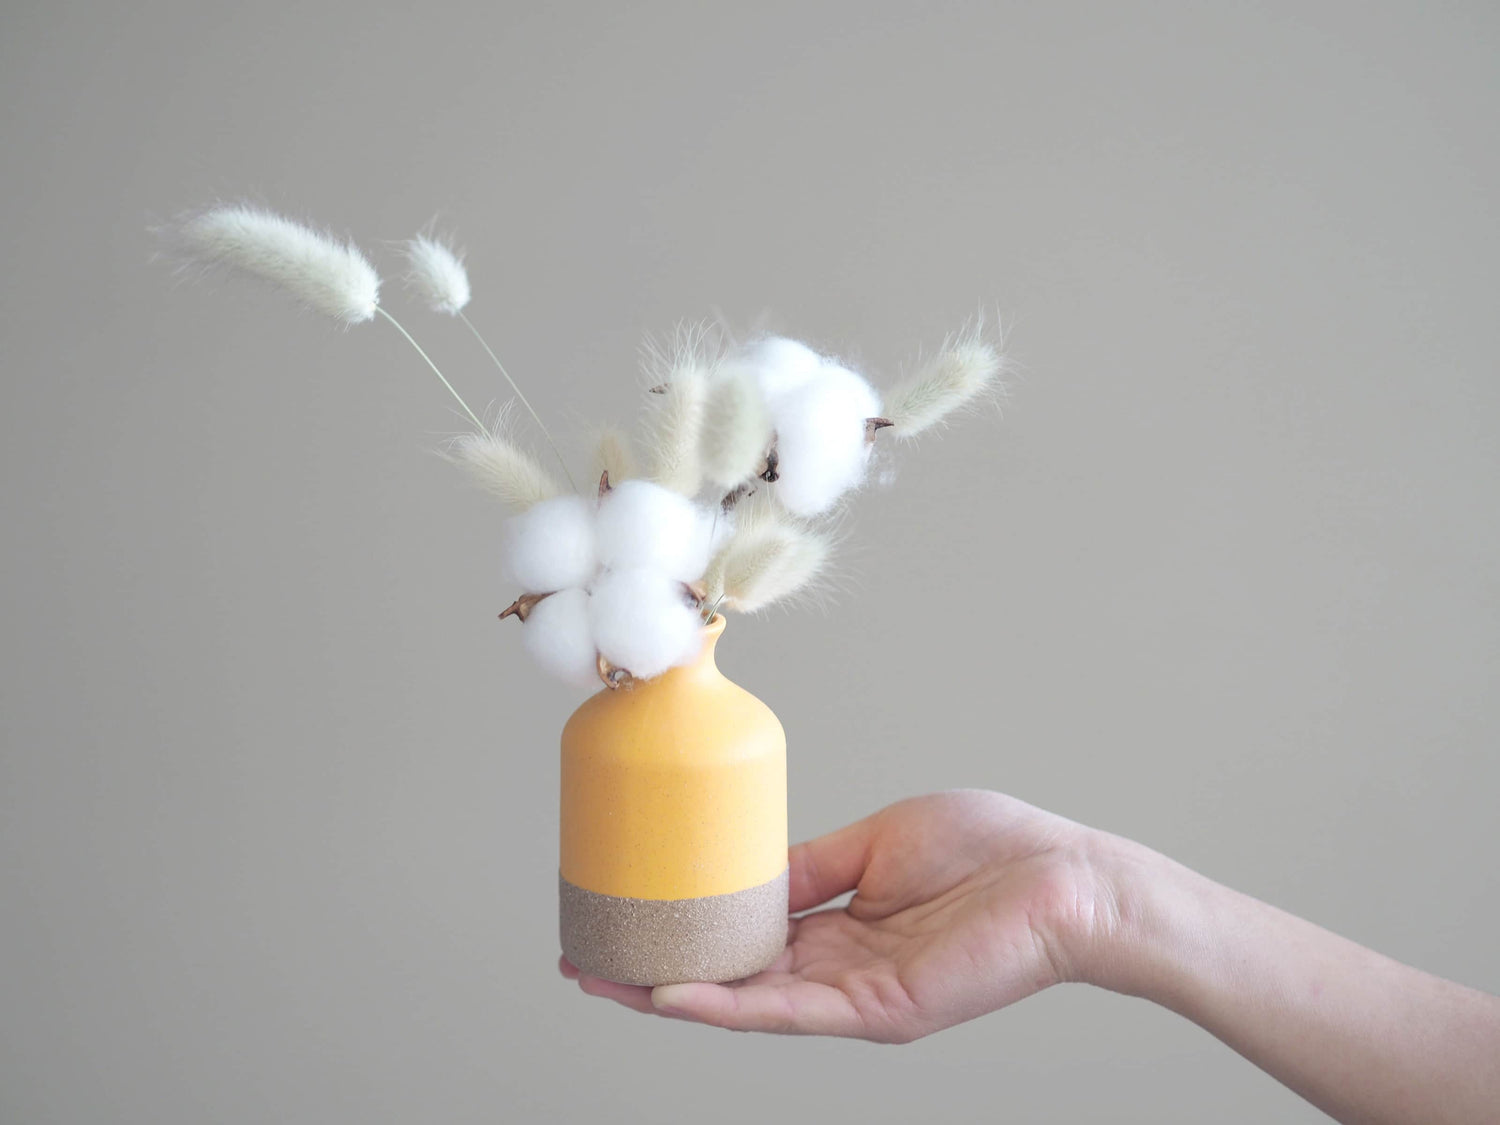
(825,868)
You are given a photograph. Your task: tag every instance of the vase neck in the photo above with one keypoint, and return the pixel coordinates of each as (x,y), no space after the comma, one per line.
(704,665)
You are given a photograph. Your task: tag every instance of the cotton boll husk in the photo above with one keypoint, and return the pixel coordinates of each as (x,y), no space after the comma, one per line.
(551,546)
(326,275)
(642,622)
(504,469)
(643,525)
(770,564)
(436,274)
(951,380)
(736,428)
(559,636)
(821,443)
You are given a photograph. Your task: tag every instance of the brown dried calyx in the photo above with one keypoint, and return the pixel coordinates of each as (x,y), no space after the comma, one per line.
(874,426)
(768,469)
(521,608)
(735,496)
(613,676)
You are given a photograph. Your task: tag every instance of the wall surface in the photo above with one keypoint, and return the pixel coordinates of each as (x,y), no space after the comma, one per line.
(278,793)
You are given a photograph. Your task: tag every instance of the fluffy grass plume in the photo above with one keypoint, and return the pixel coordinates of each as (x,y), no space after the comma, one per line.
(736,428)
(614,455)
(770,563)
(328,276)
(502,468)
(436,274)
(968,367)
(678,373)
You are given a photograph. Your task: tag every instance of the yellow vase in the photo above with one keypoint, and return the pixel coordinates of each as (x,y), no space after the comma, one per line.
(674,836)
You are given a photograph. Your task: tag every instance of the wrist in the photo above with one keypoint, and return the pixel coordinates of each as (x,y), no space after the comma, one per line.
(1134,931)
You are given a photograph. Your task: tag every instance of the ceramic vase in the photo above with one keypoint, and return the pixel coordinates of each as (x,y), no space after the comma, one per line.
(674,829)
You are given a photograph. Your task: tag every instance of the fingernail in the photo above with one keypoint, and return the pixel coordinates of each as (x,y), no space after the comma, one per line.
(662,997)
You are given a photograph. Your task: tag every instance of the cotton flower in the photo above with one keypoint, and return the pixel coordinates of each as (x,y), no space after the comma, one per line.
(326,275)
(551,546)
(964,370)
(642,525)
(821,439)
(436,274)
(557,634)
(781,366)
(643,622)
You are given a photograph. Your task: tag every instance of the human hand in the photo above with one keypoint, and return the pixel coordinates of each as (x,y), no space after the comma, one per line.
(964,902)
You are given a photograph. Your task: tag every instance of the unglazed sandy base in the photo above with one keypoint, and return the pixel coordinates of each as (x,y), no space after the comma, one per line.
(669,941)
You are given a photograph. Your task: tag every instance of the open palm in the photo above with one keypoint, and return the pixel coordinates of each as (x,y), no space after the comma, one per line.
(963,903)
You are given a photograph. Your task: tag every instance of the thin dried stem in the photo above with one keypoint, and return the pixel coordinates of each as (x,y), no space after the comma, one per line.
(463,316)
(397,325)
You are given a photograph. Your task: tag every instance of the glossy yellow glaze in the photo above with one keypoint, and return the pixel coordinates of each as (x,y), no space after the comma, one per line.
(675,788)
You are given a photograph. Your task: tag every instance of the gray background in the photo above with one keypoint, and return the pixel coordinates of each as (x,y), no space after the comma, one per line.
(277,794)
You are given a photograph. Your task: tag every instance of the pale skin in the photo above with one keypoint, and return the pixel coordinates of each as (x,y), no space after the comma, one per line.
(968,901)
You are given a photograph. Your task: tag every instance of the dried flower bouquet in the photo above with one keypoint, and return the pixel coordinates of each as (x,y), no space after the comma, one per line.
(747,448)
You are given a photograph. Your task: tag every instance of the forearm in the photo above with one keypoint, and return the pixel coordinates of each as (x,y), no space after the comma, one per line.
(1361,1036)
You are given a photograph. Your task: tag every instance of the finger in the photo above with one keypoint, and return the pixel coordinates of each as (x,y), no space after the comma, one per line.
(634,996)
(567,968)
(793,1008)
(824,868)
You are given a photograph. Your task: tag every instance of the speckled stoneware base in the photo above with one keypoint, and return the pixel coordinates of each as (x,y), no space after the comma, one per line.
(669,941)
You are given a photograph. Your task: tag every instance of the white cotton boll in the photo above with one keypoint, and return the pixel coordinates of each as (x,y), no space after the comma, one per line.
(551,546)
(326,275)
(436,274)
(559,636)
(643,525)
(642,622)
(821,442)
(781,366)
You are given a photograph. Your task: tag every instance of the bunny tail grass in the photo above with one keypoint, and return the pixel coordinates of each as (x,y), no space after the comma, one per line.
(436,274)
(397,325)
(535,417)
(968,366)
(330,277)
(768,558)
(736,429)
(613,455)
(502,468)
(766,563)
(678,374)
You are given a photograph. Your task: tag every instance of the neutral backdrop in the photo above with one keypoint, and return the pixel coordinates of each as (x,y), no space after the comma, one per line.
(278,800)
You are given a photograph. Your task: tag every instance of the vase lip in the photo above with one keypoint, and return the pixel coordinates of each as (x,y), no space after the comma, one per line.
(713,628)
